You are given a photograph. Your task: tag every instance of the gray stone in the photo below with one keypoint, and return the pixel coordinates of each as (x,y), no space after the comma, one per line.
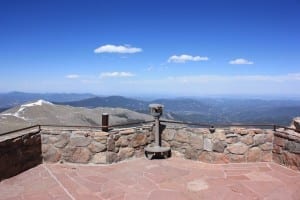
(79,141)
(292,147)
(207,144)
(296,123)
(111,157)
(196,141)
(45,139)
(237,148)
(53,139)
(45,147)
(259,139)
(99,158)
(175,144)
(168,134)
(97,147)
(218,146)
(191,153)
(266,146)
(63,140)
(247,139)
(51,155)
(231,140)
(110,144)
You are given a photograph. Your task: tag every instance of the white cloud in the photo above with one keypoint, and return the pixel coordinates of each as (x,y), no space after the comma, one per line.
(72,76)
(184,58)
(116,74)
(241,61)
(117,49)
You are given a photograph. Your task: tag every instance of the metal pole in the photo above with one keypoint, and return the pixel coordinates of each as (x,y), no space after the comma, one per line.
(105,120)
(157,131)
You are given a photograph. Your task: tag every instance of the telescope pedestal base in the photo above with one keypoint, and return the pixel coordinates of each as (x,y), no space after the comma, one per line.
(152,151)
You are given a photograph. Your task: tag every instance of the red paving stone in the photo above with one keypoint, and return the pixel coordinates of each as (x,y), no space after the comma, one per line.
(139,179)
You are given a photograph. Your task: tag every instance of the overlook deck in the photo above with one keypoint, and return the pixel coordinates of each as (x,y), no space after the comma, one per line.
(139,178)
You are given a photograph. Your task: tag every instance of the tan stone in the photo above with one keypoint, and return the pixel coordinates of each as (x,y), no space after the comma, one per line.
(125,153)
(122,141)
(231,140)
(97,147)
(236,158)
(237,148)
(291,160)
(206,157)
(219,135)
(100,134)
(80,155)
(99,158)
(102,139)
(266,156)
(139,140)
(254,154)
(182,136)
(266,146)
(247,139)
(277,149)
(220,158)
(279,141)
(269,136)
(196,141)
(127,131)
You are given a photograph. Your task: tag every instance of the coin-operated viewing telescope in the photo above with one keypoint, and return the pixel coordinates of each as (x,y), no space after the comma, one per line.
(156,110)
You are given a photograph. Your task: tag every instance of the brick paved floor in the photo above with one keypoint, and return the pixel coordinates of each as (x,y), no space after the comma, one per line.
(174,179)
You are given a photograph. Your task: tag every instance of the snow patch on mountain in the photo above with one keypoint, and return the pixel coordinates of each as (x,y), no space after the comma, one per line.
(23,107)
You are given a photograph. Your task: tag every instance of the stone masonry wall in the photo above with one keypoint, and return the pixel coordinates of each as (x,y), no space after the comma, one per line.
(19,151)
(22,150)
(94,146)
(287,148)
(222,146)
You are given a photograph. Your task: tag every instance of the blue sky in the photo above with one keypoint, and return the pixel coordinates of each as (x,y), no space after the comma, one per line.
(179,48)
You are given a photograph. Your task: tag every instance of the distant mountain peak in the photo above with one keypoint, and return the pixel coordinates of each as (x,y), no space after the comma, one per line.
(37,103)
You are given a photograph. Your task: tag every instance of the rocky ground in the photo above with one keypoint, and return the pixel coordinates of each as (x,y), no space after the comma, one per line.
(43,112)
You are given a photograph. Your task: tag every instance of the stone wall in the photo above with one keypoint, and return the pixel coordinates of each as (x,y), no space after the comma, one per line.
(19,151)
(22,150)
(287,148)
(221,146)
(93,145)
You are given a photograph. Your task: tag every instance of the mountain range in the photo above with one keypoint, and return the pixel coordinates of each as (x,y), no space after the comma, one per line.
(46,113)
(199,110)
